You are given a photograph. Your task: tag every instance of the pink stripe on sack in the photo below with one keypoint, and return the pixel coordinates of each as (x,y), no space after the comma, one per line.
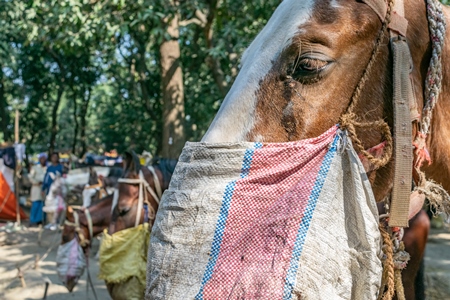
(73,260)
(266,209)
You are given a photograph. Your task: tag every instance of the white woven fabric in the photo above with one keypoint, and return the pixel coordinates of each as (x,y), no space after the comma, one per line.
(275,221)
(70,261)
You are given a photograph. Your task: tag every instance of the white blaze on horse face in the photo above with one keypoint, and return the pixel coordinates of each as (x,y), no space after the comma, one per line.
(236,116)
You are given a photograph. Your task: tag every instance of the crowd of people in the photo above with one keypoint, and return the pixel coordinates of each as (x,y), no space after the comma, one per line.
(42,176)
(45,202)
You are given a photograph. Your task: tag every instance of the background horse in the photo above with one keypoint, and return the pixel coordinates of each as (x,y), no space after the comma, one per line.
(94,189)
(138,194)
(96,185)
(100,213)
(301,72)
(125,211)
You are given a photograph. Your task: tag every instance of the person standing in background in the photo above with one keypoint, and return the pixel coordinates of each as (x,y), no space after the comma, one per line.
(53,171)
(37,175)
(53,168)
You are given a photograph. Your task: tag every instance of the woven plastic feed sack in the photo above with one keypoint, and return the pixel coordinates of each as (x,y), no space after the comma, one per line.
(70,263)
(293,220)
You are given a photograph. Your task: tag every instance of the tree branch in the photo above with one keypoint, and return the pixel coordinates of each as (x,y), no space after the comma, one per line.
(201,16)
(200,19)
(57,60)
(120,50)
(191,21)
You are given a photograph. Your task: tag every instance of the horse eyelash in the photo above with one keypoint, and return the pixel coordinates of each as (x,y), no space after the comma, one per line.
(297,59)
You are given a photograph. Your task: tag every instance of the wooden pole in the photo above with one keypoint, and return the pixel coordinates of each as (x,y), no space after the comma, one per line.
(20,275)
(16,127)
(16,173)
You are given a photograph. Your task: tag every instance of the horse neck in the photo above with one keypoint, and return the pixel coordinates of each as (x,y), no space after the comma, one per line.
(101,213)
(164,182)
(166,168)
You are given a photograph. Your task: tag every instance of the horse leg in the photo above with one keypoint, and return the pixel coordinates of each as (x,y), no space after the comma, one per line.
(420,282)
(415,240)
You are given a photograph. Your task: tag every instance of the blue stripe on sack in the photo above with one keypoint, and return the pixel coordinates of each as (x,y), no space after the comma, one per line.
(248,156)
(306,220)
(221,222)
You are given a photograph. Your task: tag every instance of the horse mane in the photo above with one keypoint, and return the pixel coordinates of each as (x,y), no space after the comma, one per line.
(115,172)
(166,167)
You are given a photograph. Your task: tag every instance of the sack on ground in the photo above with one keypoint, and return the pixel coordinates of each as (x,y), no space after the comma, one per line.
(293,220)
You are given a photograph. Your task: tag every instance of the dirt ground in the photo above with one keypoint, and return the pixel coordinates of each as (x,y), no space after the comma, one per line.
(437,265)
(20,249)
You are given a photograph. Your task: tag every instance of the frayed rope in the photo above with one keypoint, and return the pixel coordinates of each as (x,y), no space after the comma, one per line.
(438,198)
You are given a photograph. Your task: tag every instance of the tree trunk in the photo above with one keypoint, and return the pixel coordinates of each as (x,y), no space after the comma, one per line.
(4,116)
(75,119)
(214,63)
(174,136)
(54,129)
(141,68)
(83,113)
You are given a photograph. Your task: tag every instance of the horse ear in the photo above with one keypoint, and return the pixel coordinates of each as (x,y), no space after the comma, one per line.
(131,162)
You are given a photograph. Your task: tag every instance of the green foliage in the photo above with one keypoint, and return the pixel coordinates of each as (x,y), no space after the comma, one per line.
(95,64)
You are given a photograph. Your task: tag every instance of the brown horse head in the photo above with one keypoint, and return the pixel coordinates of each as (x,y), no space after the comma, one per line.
(100,213)
(126,211)
(299,75)
(68,232)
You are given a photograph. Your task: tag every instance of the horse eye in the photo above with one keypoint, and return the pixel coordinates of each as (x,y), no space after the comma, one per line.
(306,69)
(123,212)
(311,65)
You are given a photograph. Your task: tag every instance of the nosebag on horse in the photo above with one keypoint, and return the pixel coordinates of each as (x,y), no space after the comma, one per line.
(277,219)
(279,202)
